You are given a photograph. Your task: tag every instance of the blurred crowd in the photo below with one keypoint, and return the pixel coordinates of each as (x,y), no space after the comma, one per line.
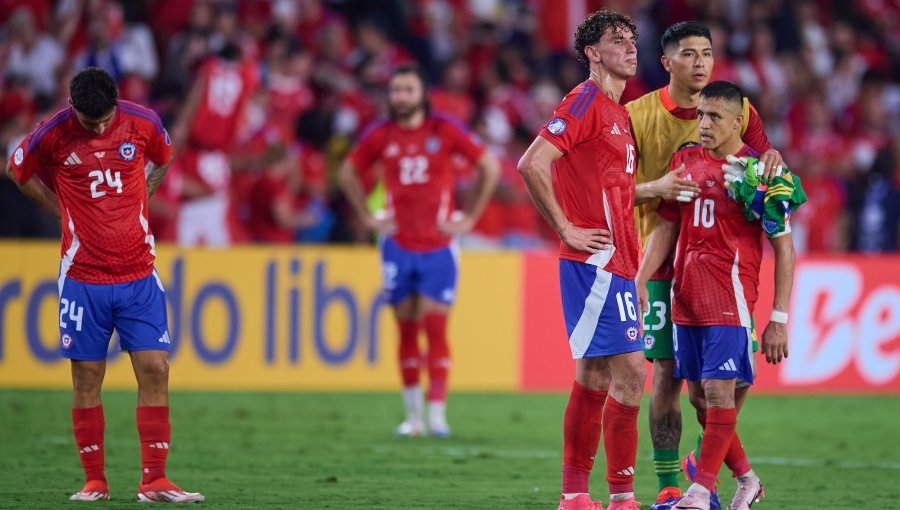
(264,98)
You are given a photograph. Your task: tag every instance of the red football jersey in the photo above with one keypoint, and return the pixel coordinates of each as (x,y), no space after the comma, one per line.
(719,250)
(228,87)
(102,189)
(596,174)
(419,174)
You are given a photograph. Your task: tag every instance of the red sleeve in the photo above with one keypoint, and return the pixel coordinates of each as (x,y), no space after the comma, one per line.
(565,128)
(27,159)
(159,146)
(755,135)
(368,150)
(669,210)
(464,142)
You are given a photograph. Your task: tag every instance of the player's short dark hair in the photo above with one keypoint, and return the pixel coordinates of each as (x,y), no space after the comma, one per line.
(724,90)
(94,92)
(682,30)
(415,69)
(594,26)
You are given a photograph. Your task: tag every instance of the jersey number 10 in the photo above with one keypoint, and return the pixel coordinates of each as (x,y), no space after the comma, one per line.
(703,213)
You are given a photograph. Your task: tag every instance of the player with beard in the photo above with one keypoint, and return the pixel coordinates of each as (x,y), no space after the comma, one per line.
(414,151)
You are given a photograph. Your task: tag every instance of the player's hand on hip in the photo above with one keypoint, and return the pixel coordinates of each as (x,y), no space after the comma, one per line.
(459,224)
(775,342)
(382,225)
(674,187)
(591,240)
(772,165)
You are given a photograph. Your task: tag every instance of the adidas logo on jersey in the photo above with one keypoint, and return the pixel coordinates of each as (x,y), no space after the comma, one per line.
(73,159)
(728,366)
(160,445)
(615,129)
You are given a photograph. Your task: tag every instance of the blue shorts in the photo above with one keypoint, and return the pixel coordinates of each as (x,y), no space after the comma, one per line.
(88,313)
(600,311)
(432,274)
(713,352)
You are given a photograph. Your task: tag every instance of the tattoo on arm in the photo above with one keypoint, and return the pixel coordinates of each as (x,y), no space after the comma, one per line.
(155,175)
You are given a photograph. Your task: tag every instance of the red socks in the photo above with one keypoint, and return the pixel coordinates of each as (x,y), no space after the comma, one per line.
(88,425)
(736,459)
(581,437)
(717,438)
(438,356)
(154,431)
(620,441)
(409,352)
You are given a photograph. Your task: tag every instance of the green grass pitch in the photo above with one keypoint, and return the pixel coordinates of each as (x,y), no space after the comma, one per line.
(321,451)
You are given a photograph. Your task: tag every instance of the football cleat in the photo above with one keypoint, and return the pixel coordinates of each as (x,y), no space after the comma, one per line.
(94,490)
(409,429)
(694,501)
(164,491)
(689,466)
(628,504)
(579,502)
(437,420)
(749,491)
(667,498)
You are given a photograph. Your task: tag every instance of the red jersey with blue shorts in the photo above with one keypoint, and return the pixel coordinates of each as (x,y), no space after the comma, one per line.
(596,188)
(717,262)
(101,185)
(419,179)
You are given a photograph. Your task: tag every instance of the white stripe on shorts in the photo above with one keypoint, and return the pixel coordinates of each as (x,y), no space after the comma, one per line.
(593,306)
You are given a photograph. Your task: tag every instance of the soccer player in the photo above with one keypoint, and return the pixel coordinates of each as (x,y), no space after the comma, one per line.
(415,151)
(663,121)
(104,158)
(715,286)
(589,142)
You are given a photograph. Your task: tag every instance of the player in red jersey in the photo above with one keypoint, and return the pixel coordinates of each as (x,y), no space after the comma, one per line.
(208,128)
(104,158)
(415,150)
(717,261)
(590,143)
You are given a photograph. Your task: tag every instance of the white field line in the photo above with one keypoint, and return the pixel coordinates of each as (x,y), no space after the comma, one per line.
(453,451)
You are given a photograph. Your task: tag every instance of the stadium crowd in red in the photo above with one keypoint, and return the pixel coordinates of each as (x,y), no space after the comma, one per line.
(263,99)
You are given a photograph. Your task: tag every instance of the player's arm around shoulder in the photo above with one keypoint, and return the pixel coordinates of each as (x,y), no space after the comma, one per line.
(775,337)
(668,187)
(535,167)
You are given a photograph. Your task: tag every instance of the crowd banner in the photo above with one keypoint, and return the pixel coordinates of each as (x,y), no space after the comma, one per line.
(267,318)
(314,318)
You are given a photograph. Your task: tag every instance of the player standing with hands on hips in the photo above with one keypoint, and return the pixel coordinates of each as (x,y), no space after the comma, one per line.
(717,261)
(415,149)
(95,166)
(590,143)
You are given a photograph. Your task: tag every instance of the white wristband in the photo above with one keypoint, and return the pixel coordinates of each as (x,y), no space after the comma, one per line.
(779,317)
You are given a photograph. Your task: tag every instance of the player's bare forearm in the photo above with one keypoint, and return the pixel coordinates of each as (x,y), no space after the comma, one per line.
(488,175)
(155,175)
(535,169)
(659,246)
(783,246)
(34,189)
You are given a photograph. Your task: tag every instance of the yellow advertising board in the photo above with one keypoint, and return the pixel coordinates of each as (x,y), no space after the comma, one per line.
(274,318)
